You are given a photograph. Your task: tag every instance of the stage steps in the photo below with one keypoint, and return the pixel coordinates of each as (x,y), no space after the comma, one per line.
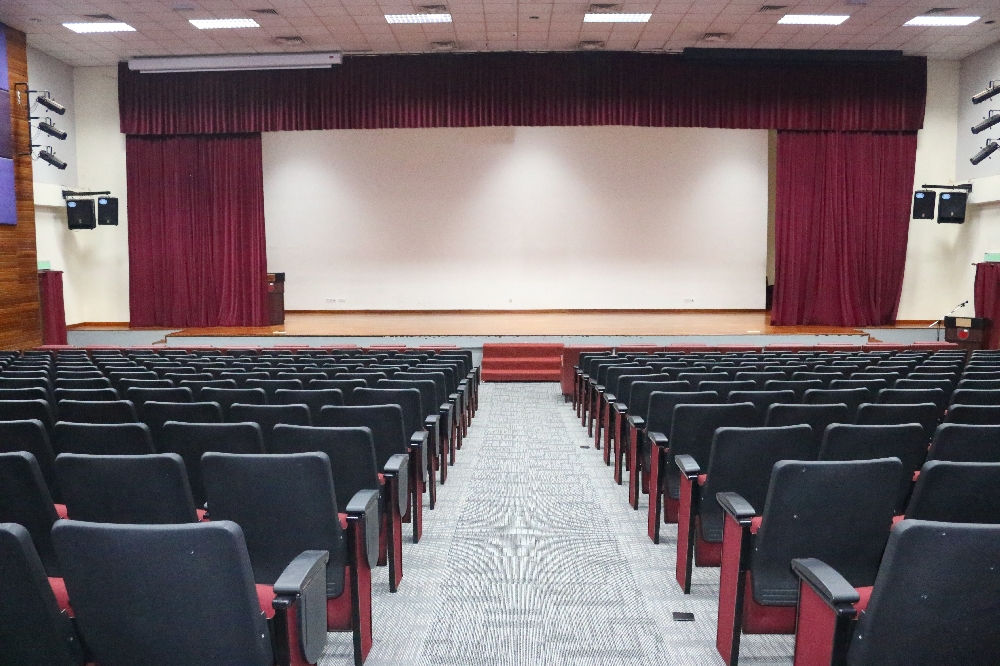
(522,362)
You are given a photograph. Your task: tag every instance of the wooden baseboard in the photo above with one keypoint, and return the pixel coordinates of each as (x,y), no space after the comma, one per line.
(100,325)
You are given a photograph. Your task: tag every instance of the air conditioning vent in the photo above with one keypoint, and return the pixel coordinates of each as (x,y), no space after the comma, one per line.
(267,11)
(290,40)
(442,46)
(604,8)
(432,9)
(100,17)
(772,8)
(940,10)
(716,37)
(592,45)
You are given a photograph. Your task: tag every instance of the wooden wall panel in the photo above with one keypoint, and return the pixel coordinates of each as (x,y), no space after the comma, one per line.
(20,318)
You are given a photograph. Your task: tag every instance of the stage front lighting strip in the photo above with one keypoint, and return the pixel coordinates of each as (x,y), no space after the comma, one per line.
(812,19)
(616,18)
(418,18)
(215,24)
(941,21)
(88,28)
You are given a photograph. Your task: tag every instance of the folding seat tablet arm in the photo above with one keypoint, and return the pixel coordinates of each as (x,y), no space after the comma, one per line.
(140,598)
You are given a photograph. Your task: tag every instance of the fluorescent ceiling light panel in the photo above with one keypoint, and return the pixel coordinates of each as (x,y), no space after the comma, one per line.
(418,18)
(86,28)
(938,21)
(616,18)
(812,19)
(214,24)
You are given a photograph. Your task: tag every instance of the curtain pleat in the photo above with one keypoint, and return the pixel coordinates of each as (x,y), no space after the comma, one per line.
(530,89)
(197,254)
(841,225)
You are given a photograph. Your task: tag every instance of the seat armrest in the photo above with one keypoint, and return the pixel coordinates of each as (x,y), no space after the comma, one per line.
(600,388)
(432,420)
(610,397)
(398,466)
(417,439)
(621,408)
(300,607)
(688,465)
(636,421)
(585,376)
(659,439)
(363,509)
(301,571)
(453,396)
(825,582)
(735,506)
(445,407)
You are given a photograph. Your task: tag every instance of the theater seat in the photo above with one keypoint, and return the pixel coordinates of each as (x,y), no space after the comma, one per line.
(286,504)
(934,602)
(140,598)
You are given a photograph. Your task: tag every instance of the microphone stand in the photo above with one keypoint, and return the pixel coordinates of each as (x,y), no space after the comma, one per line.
(960,305)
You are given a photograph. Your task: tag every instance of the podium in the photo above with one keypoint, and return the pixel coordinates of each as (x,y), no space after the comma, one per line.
(276,298)
(967,332)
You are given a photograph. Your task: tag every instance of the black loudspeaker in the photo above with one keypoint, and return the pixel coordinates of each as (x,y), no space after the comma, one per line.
(951,207)
(923,205)
(107,211)
(80,213)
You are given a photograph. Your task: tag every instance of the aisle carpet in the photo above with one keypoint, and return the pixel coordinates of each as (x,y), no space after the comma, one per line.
(533,557)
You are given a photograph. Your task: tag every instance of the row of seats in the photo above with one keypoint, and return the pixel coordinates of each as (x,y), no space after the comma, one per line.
(296,491)
(835,520)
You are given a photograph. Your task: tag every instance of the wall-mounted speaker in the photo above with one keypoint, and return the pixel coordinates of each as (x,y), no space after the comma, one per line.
(107,211)
(951,207)
(81,214)
(923,205)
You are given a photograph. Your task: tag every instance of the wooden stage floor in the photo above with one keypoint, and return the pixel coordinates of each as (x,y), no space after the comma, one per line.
(524,323)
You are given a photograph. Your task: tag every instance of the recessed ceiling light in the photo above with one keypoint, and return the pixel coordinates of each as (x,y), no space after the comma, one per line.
(941,20)
(616,18)
(812,19)
(214,24)
(418,18)
(99,27)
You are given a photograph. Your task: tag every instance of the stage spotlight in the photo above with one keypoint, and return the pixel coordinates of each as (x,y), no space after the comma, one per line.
(988,150)
(50,129)
(51,104)
(49,157)
(989,122)
(986,94)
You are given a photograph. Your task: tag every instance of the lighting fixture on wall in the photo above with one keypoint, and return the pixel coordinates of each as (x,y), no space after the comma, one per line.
(988,122)
(50,129)
(43,98)
(48,155)
(990,148)
(984,95)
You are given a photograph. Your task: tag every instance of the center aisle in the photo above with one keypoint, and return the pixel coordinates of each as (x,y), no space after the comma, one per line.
(533,556)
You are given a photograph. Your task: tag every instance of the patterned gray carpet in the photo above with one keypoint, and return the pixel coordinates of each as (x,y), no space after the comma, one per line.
(534,557)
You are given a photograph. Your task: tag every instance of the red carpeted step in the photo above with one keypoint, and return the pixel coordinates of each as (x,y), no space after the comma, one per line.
(522,362)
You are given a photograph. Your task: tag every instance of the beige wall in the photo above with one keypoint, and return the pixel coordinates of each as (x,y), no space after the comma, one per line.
(94,262)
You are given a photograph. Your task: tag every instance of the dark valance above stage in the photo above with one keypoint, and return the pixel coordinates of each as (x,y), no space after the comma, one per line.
(525,89)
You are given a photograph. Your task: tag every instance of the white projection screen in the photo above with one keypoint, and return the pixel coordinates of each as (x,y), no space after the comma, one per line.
(518,218)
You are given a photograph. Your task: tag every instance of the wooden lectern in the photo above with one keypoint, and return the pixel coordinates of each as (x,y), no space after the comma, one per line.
(276,298)
(967,332)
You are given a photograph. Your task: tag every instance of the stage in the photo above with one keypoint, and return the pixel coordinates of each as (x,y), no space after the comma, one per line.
(471,328)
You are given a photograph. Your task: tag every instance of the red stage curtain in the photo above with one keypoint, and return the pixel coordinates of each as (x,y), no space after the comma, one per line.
(841,225)
(197,254)
(522,89)
(988,300)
